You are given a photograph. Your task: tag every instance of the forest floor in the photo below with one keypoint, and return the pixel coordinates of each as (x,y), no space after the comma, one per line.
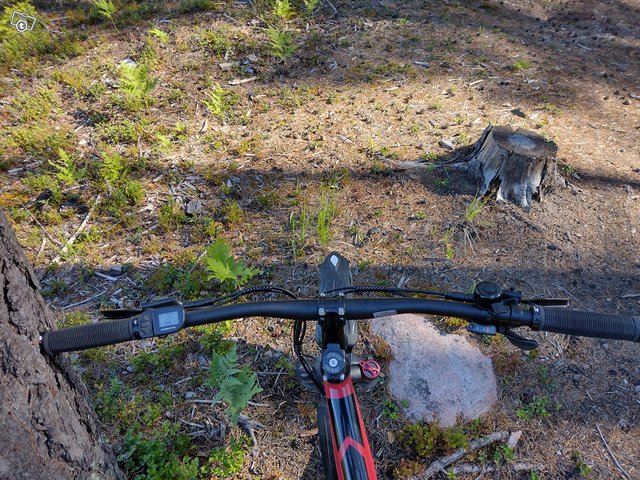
(172,124)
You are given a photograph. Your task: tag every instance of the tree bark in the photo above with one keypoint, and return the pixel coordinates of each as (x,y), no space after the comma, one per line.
(521,164)
(47,428)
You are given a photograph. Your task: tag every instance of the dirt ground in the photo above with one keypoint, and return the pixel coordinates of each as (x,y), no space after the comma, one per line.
(351,98)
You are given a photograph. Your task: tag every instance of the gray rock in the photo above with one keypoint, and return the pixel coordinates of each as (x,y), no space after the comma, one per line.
(447,143)
(194,207)
(442,376)
(189,395)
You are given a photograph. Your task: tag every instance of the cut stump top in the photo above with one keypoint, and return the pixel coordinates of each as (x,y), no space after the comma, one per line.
(524,142)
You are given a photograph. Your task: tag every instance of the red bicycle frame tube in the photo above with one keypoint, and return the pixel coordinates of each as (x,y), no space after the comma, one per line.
(350,445)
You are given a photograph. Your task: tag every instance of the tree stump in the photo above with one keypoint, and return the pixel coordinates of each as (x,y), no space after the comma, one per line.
(47,427)
(521,164)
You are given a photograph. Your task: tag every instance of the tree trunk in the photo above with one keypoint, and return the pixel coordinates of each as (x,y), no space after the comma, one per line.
(521,164)
(47,428)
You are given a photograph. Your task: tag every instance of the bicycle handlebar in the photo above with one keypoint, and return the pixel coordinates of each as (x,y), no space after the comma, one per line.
(588,324)
(510,316)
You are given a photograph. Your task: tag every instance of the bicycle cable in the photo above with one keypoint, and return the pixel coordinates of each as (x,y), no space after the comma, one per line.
(371,288)
(240,293)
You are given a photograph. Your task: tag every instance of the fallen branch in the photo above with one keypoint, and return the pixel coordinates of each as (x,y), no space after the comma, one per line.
(489,468)
(443,462)
(78,231)
(77,304)
(615,460)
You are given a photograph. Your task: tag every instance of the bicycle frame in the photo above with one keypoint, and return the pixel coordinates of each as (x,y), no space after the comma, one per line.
(351,451)
(350,455)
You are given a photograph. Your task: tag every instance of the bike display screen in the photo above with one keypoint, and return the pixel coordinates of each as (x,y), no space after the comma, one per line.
(167,320)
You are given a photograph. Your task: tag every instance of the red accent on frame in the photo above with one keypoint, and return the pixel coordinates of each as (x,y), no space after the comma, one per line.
(338,391)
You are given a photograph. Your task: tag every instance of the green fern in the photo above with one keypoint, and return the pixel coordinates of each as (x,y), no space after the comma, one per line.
(105,8)
(159,34)
(310,6)
(236,385)
(219,101)
(283,9)
(111,169)
(221,266)
(66,169)
(281,43)
(135,79)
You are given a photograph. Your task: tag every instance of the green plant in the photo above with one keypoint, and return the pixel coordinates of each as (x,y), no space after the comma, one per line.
(224,462)
(171,215)
(222,266)
(583,469)
(420,437)
(215,41)
(533,475)
(503,454)
(299,226)
(159,34)
(16,47)
(232,212)
(521,65)
(283,9)
(536,408)
(390,410)
(111,168)
(474,208)
(325,216)
(454,438)
(281,43)
(162,455)
(66,169)
(236,385)
(37,105)
(136,81)
(40,139)
(310,6)
(212,337)
(219,101)
(105,9)
(451,475)
(447,242)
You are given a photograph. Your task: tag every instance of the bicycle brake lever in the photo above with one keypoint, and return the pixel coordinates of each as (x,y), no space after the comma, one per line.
(120,313)
(547,302)
(519,341)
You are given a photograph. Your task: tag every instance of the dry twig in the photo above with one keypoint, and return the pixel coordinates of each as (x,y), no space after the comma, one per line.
(613,457)
(78,231)
(443,462)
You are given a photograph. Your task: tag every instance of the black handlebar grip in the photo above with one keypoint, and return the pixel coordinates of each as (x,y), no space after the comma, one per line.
(88,336)
(588,324)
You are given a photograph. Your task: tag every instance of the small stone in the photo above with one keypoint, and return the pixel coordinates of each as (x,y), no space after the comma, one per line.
(514,438)
(130,62)
(447,143)
(552,247)
(83,143)
(623,424)
(519,113)
(626,102)
(636,389)
(252,58)
(628,189)
(228,65)
(116,271)
(194,207)
(189,395)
